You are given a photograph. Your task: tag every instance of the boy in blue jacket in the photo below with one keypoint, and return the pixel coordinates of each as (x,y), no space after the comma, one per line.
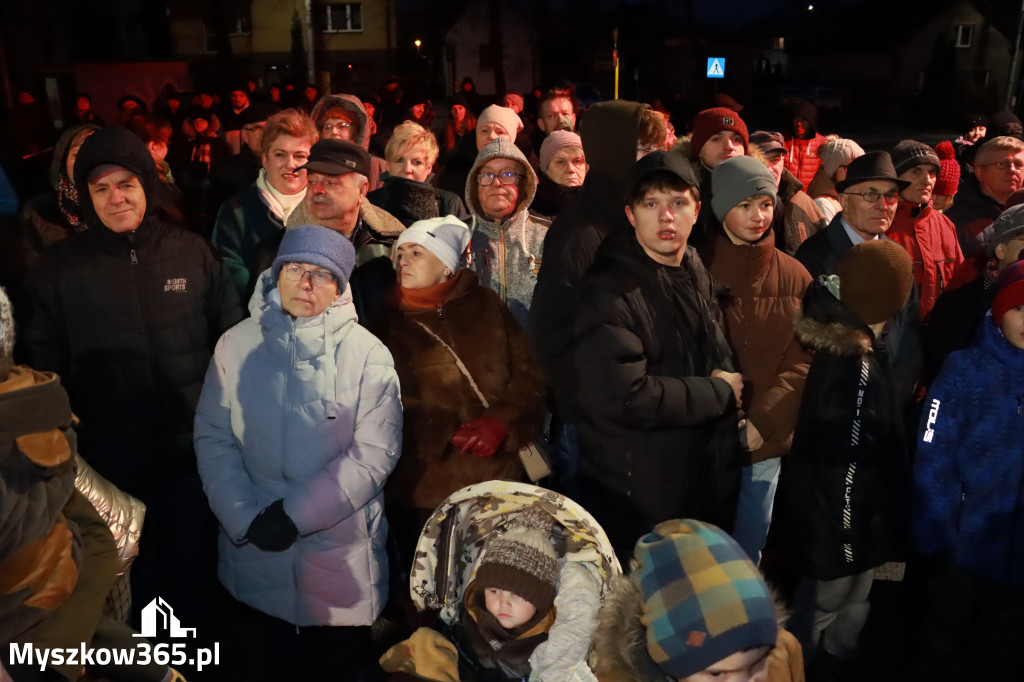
(969,500)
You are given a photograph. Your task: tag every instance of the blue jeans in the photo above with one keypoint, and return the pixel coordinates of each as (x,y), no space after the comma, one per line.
(754,507)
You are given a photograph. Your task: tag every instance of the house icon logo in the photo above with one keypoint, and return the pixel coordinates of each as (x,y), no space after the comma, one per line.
(158,615)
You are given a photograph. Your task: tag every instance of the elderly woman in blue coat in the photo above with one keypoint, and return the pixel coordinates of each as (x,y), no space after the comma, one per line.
(298,427)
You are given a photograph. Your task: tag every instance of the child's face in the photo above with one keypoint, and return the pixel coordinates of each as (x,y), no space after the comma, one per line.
(510,609)
(1013,326)
(743,666)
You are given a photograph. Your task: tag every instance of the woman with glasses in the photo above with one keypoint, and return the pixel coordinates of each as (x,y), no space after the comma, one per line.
(298,427)
(462,427)
(508,241)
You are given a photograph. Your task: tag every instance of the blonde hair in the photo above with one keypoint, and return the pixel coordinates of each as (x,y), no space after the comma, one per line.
(408,135)
(1000,145)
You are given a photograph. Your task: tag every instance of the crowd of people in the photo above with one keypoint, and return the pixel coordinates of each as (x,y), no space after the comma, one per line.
(294,334)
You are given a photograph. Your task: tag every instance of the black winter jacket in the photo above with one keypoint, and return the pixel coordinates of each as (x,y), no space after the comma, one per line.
(609,141)
(129,322)
(658,435)
(844,489)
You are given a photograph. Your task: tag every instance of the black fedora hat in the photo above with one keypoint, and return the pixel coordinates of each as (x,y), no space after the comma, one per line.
(871,166)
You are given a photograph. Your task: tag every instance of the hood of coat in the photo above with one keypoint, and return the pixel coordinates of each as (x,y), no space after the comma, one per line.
(609,131)
(120,147)
(500,148)
(827,325)
(353,104)
(620,641)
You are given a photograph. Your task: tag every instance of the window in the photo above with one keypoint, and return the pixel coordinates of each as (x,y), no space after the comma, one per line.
(344,17)
(962,34)
(240,22)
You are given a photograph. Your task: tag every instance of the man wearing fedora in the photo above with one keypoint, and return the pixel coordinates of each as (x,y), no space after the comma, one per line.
(338,174)
(869,196)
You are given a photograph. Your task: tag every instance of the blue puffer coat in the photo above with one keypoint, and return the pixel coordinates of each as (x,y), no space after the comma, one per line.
(969,472)
(307,410)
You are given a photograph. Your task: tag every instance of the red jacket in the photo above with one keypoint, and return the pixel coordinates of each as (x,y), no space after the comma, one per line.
(802,157)
(930,239)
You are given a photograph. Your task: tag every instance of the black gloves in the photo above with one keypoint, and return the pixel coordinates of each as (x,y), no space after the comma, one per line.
(272,530)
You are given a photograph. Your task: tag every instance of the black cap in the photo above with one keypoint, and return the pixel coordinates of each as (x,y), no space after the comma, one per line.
(661,161)
(337,157)
(768,142)
(257,113)
(871,166)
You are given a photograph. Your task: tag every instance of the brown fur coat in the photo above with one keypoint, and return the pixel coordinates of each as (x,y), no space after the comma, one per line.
(437,398)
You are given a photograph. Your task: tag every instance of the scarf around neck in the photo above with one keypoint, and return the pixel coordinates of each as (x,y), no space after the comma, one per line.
(281,205)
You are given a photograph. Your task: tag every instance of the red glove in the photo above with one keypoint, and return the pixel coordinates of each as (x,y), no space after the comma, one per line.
(482,437)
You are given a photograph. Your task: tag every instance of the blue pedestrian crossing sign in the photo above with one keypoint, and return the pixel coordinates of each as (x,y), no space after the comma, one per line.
(716,67)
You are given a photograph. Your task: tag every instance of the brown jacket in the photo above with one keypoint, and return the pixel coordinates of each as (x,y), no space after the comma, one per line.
(437,398)
(766,290)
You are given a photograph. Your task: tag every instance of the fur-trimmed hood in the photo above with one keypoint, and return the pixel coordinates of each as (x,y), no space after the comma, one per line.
(619,651)
(828,325)
(345,101)
(377,219)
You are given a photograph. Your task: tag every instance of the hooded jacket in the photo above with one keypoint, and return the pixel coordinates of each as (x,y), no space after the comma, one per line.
(437,398)
(766,290)
(306,410)
(968,471)
(972,212)
(609,134)
(507,254)
(930,239)
(658,435)
(844,488)
(353,104)
(620,654)
(129,321)
(802,158)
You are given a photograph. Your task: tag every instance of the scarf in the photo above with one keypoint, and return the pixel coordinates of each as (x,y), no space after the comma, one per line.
(426,298)
(281,205)
(67,203)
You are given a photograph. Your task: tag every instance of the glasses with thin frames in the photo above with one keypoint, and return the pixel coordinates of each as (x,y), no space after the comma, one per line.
(503,178)
(293,272)
(1006,164)
(890,198)
(336,127)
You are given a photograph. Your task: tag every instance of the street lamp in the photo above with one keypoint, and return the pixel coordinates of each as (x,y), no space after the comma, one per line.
(417,43)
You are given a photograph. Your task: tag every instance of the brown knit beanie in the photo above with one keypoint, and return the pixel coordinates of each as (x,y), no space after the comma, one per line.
(875,280)
(523,561)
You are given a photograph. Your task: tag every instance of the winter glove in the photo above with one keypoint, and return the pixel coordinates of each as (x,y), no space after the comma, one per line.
(482,437)
(272,530)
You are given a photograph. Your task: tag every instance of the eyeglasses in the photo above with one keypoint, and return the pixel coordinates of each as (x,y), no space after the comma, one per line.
(293,272)
(1006,164)
(505,178)
(871,197)
(336,127)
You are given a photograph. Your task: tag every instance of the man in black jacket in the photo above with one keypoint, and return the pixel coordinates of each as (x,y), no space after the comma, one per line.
(658,426)
(127,313)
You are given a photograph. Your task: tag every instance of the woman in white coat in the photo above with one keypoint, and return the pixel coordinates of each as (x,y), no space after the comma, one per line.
(298,427)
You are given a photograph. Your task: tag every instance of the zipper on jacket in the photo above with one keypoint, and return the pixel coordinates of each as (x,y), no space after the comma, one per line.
(135,259)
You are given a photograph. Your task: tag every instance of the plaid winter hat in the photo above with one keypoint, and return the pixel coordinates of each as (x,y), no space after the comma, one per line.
(949,170)
(523,560)
(6,335)
(703,599)
(908,154)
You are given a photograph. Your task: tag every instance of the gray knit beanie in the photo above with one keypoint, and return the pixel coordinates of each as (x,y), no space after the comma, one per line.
(836,153)
(317,245)
(6,335)
(739,178)
(910,153)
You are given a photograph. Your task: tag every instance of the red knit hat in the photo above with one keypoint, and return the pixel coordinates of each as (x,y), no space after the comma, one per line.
(1011,291)
(711,121)
(949,170)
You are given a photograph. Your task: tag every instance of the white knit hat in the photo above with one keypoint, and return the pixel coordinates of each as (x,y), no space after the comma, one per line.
(508,119)
(446,238)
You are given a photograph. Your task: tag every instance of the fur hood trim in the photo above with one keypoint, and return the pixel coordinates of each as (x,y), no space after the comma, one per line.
(620,642)
(827,325)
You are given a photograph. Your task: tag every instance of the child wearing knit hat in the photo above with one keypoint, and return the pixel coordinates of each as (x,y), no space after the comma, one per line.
(509,607)
(968,506)
(695,608)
